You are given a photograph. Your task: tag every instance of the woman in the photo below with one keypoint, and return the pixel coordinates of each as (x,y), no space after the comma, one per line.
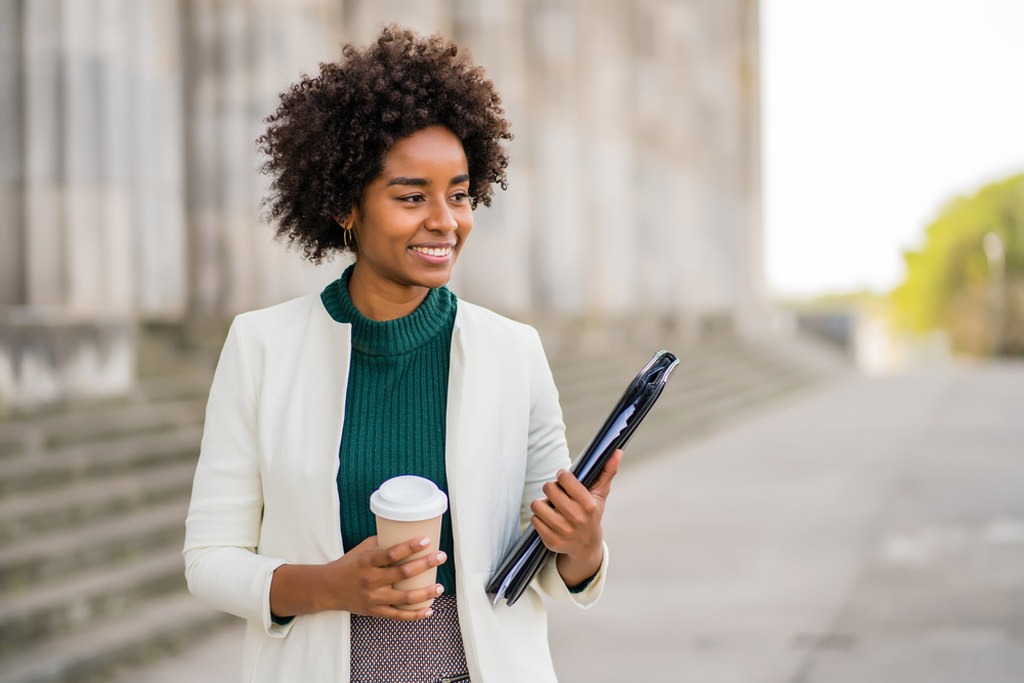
(316,401)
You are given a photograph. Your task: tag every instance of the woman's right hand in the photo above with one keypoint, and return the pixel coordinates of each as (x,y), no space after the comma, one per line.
(360,581)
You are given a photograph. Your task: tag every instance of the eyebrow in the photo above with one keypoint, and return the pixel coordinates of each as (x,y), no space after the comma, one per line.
(422,182)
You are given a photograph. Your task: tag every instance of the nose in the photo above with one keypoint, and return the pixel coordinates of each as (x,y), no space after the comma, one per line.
(441,217)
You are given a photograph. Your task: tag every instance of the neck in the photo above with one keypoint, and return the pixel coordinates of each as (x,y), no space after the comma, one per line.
(381,300)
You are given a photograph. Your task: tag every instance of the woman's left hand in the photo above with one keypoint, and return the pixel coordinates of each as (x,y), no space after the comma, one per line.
(569,521)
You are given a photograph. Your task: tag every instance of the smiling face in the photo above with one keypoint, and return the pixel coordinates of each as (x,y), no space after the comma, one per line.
(411,224)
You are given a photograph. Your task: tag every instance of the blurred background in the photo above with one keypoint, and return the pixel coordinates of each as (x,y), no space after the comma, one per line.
(818,205)
(894,154)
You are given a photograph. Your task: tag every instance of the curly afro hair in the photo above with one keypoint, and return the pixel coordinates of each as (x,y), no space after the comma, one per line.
(328,138)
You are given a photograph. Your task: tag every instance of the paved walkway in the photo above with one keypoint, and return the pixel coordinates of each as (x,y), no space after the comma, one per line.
(869,531)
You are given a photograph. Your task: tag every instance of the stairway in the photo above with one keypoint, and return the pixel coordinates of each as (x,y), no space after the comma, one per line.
(716,383)
(92,503)
(93,497)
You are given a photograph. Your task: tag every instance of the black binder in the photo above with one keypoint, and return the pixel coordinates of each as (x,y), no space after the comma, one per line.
(522,562)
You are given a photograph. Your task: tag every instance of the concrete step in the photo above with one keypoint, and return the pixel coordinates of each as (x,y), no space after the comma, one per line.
(592,378)
(598,400)
(60,556)
(707,387)
(29,514)
(192,384)
(101,422)
(62,466)
(685,413)
(92,506)
(12,443)
(160,626)
(54,611)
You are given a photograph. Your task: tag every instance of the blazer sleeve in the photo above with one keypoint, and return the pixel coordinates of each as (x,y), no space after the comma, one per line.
(222,530)
(547,452)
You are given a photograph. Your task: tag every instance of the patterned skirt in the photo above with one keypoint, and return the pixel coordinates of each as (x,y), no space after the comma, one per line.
(426,651)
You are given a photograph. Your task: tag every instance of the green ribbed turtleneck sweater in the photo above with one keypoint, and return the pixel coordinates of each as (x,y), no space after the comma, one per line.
(395,407)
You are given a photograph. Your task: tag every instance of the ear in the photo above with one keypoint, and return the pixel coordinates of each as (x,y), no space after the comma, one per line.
(346,221)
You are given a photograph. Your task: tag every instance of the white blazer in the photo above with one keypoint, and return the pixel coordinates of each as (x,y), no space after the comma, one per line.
(265,490)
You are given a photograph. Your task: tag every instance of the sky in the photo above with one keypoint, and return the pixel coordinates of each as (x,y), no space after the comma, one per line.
(876,113)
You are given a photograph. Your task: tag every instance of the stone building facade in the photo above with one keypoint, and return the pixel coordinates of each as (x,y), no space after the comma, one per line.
(129,191)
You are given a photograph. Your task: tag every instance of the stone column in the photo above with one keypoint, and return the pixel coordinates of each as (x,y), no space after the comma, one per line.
(677,26)
(363,19)
(113,147)
(734,95)
(203,174)
(660,207)
(148,58)
(85,236)
(241,55)
(12,274)
(606,170)
(73,334)
(234,147)
(556,189)
(708,139)
(93,340)
(716,48)
(754,314)
(12,156)
(43,134)
(286,40)
(494,270)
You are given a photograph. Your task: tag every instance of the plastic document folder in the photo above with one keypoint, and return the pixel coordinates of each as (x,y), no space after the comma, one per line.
(525,558)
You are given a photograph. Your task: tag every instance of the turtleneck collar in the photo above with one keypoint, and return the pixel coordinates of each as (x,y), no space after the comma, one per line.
(433,316)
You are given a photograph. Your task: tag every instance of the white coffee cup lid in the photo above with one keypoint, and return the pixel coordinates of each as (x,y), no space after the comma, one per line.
(408,498)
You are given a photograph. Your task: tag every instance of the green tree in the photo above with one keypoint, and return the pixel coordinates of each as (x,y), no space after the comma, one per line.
(968,278)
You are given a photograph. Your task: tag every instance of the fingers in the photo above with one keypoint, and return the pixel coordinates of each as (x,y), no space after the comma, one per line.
(394,597)
(569,519)
(416,596)
(548,516)
(397,602)
(401,551)
(566,523)
(389,591)
(570,485)
(404,555)
(372,581)
(396,593)
(413,568)
(568,504)
(554,540)
(603,486)
(572,498)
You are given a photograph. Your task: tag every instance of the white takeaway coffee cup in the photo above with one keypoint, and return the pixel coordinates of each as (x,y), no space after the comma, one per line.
(410,507)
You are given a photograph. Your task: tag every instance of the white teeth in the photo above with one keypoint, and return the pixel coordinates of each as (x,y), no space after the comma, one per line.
(433,251)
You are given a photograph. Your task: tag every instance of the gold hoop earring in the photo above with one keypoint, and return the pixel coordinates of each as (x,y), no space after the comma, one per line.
(347,239)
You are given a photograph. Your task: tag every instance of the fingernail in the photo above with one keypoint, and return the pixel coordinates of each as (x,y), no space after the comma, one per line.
(429,613)
(441,557)
(438,589)
(424,542)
